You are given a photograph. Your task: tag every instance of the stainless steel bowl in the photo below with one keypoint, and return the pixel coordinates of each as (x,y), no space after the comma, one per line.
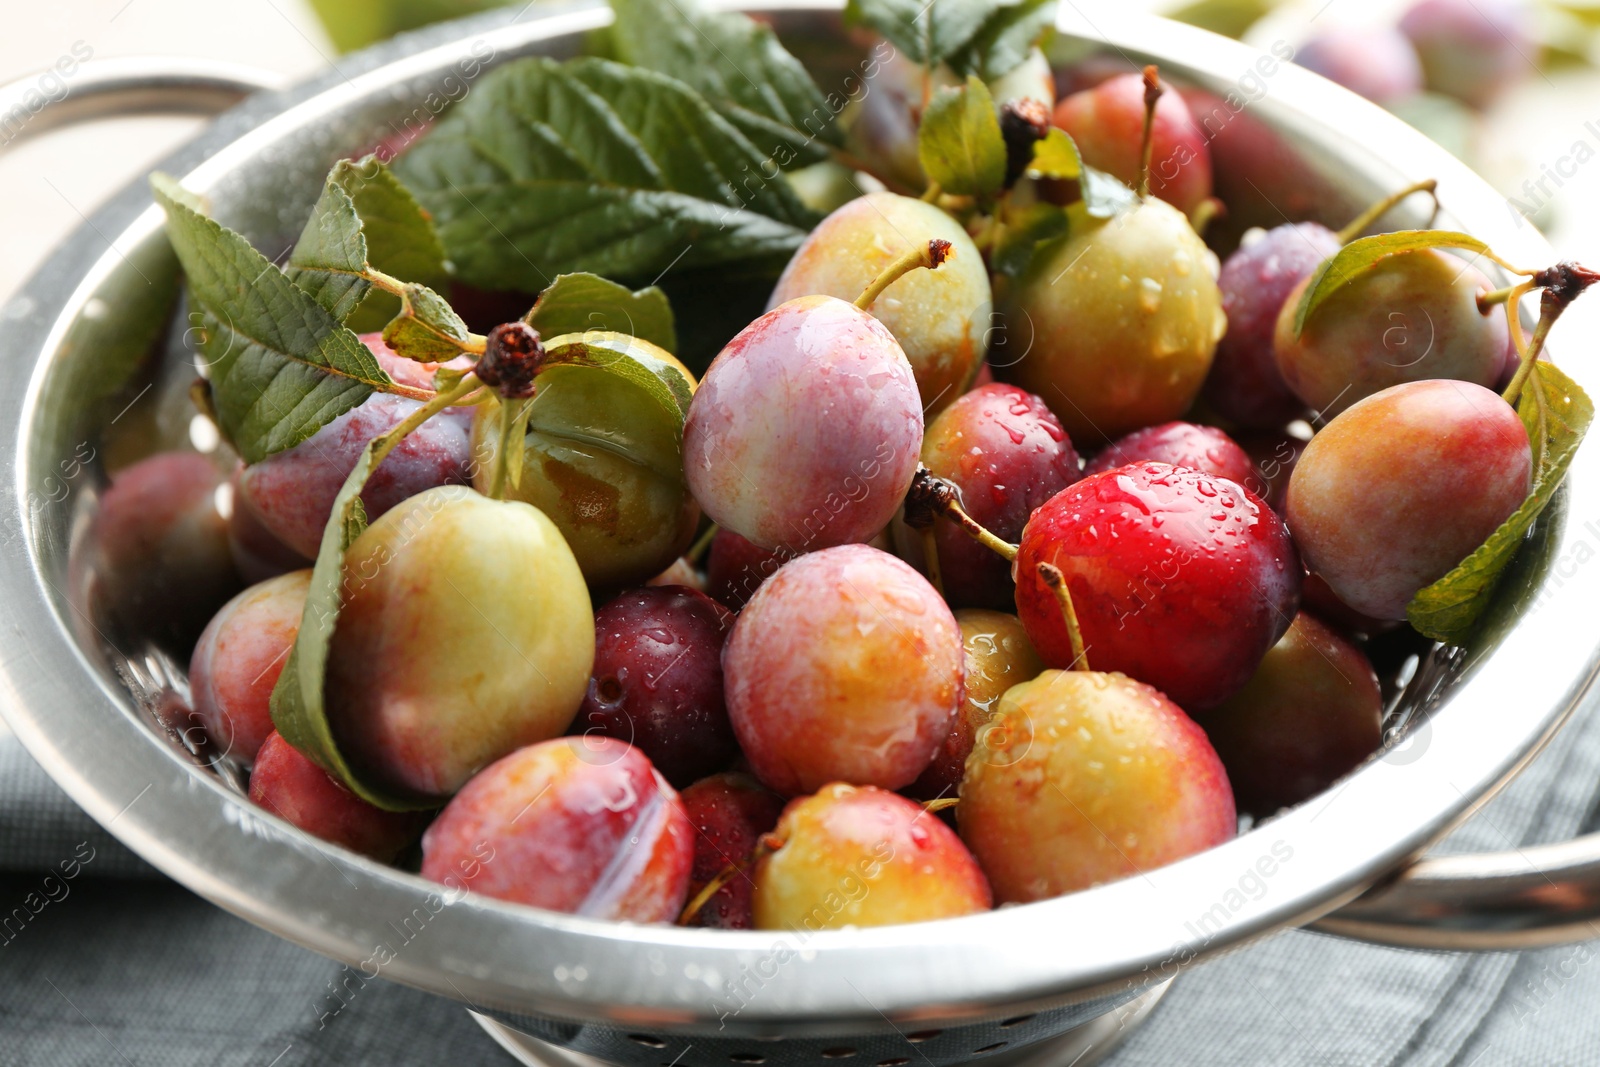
(997,984)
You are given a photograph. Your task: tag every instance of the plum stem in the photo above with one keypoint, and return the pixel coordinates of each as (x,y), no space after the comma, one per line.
(447,399)
(940,804)
(1051,576)
(1147,144)
(932,193)
(928,255)
(930,559)
(764,848)
(930,496)
(1509,294)
(1359,224)
(1562,284)
(702,544)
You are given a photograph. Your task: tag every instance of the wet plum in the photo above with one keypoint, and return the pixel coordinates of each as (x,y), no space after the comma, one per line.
(296,790)
(845,666)
(580,825)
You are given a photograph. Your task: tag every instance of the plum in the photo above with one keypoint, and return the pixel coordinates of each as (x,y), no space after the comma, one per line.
(157,561)
(299,792)
(1366,500)
(805,432)
(1377,62)
(626,513)
(940,318)
(581,825)
(998,655)
(292,491)
(1317,598)
(465,634)
(736,567)
(1310,714)
(845,666)
(860,856)
(1473,50)
(1180,579)
(238,659)
(1408,317)
(258,554)
(729,812)
(657,680)
(1122,319)
(1107,124)
(1182,444)
(1006,454)
(1244,384)
(1083,778)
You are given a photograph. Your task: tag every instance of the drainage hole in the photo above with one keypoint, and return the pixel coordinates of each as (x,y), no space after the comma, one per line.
(841,1053)
(923,1035)
(898,1061)
(747,1057)
(647,1041)
(997,1046)
(1016,1020)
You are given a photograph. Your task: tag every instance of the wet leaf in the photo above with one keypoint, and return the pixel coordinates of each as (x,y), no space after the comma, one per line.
(365,219)
(1025,231)
(1556,413)
(550,168)
(1360,255)
(574,303)
(1005,39)
(735,63)
(427,329)
(959,142)
(281,366)
(927,31)
(1056,156)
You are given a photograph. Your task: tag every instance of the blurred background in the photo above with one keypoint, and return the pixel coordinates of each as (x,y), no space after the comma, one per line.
(1533,128)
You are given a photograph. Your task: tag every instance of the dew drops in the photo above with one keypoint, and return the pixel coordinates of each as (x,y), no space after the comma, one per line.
(1149,295)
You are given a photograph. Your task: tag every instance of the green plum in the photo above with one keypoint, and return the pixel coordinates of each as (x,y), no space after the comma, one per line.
(940,317)
(617,494)
(466,633)
(1120,321)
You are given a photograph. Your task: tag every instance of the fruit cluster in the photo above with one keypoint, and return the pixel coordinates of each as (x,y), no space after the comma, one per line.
(846,631)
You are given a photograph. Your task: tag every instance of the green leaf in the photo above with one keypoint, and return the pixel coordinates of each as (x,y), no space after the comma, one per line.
(281,367)
(738,65)
(365,219)
(1025,231)
(959,143)
(1103,195)
(612,393)
(1556,413)
(1056,156)
(298,709)
(549,168)
(927,31)
(1360,255)
(427,329)
(1005,40)
(575,303)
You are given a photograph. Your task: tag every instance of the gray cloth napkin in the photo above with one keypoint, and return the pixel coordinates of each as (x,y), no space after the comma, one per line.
(108,963)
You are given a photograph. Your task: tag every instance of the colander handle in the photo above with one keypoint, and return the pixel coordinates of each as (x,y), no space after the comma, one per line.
(1526,898)
(74,93)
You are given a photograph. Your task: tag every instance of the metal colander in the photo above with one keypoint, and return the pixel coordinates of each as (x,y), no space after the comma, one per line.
(1058,979)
